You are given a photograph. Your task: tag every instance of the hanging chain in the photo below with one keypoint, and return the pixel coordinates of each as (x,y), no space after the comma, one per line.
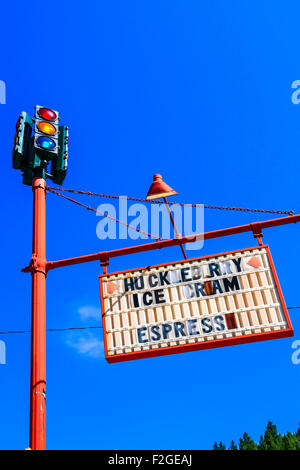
(206,206)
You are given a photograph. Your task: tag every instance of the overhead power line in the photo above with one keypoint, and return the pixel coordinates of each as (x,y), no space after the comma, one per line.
(53,329)
(77,327)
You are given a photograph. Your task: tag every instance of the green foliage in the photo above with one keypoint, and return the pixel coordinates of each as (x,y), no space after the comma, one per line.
(246,443)
(271,440)
(233,446)
(219,446)
(291,441)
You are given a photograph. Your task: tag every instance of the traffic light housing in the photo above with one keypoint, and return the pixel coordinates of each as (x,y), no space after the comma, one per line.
(46,133)
(49,142)
(59,164)
(21,140)
(34,166)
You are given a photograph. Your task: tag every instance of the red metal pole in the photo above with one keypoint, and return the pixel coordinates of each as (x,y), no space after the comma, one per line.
(177,234)
(37,433)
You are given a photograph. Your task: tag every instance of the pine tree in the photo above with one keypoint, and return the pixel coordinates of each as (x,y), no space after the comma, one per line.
(219,446)
(271,439)
(291,441)
(297,436)
(233,446)
(246,443)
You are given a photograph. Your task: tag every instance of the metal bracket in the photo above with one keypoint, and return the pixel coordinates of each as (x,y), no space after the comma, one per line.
(104,263)
(36,265)
(257,232)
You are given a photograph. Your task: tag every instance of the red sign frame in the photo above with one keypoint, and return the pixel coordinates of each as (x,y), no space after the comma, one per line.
(209,344)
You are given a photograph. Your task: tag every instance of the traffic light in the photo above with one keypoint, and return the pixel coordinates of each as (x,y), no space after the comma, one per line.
(49,142)
(59,164)
(46,133)
(22,140)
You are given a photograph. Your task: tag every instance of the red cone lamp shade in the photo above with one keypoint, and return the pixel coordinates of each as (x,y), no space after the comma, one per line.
(159,189)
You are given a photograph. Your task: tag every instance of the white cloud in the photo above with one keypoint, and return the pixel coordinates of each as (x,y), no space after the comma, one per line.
(87,343)
(88,311)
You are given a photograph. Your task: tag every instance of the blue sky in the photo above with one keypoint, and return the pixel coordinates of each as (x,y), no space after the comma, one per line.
(202,95)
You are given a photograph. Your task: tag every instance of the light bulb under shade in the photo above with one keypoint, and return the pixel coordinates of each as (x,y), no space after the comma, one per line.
(159,189)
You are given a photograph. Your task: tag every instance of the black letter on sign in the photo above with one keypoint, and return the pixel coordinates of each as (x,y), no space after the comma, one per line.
(179,329)
(217,287)
(214,269)
(191,327)
(139,282)
(166,328)
(164,278)
(140,334)
(237,262)
(185,274)
(135,300)
(219,323)
(155,330)
(153,281)
(206,326)
(199,289)
(159,296)
(150,300)
(231,285)
(128,284)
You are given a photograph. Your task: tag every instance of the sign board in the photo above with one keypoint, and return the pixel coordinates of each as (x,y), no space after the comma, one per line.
(219,300)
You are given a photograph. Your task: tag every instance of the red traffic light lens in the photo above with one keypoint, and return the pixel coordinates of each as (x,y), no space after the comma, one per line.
(46,128)
(47,113)
(18,123)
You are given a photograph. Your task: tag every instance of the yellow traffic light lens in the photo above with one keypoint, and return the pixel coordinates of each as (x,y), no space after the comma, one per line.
(46,128)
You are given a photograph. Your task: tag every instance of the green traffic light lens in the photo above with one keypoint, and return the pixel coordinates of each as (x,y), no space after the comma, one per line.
(46,143)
